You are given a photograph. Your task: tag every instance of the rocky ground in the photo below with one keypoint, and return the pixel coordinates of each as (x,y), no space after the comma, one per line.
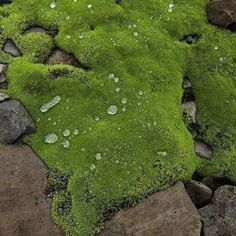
(204,205)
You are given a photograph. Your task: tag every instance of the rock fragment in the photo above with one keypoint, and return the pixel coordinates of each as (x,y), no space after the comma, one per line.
(10,48)
(202,149)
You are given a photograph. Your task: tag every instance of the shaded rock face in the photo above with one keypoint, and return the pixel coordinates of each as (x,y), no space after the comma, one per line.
(3,78)
(38,29)
(219,217)
(199,193)
(25,211)
(15,121)
(58,56)
(10,48)
(3,97)
(222,13)
(169,212)
(202,149)
(5,1)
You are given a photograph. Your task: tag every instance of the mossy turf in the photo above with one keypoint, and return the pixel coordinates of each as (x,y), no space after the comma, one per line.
(147,147)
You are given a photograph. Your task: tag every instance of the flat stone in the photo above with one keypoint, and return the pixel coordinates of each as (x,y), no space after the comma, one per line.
(202,149)
(219,217)
(3,97)
(222,13)
(15,121)
(190,109)
(169,212)
(25,210)
(10,48)
(199,193)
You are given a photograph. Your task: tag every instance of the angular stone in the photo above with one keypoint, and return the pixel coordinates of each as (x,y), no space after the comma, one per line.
(168,212)
(24,208)
(15,121)
(190,109)
(202,149)
(222,13)
(10,48)
(219,217)
(199,193)
(3,97)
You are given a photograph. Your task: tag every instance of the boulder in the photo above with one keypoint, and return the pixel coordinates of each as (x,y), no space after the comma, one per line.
(24,208)
(222,13)
(15,121)
(219,217)
(10,48)
(168,212)
(199,193)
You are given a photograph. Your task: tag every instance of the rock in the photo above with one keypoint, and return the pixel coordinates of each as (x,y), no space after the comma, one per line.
(38,29)
(168,212)
(3,69)
(5,1)
(219,217)
(199,193)
(214,183)
(190,109)
(3,97)
(11,48)
(24,208)
(222,13)
(58,56)
(186,84)
(202,149)
(15,121)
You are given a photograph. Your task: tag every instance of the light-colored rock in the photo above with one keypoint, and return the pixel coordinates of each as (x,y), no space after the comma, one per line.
(10,48)
(190,109)
(186,84)
(166,213)
(3,97)
(199,193)
(25,210)
(15,121)
(202,149)
(219,217)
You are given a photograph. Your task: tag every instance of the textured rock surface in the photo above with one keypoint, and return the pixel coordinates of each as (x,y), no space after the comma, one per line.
(219,217)
(169,212)
(11,48)
(15,121)
(199,193)
(25,211)
(202,149)
(222,13)
(3,97)
(190,109)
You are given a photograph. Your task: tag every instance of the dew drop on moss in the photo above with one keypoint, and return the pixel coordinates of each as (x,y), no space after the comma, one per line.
(98,156)
(50,138)
(45,107)
(112,110)
(53,4)
(66,144)
(66,132)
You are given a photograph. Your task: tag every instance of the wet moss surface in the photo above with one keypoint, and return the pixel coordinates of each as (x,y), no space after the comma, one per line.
(136,54)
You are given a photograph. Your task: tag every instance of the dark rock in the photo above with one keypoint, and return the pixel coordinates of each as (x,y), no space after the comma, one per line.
(190,109)
(3,97)
(3,69)
(199,193)
(5,1)
(15,121)
(58,56)
(191,38)
(10,48)
(215,182)
(222,13)
(25,211)
(219,217)
(186,84)
(202,149)
(168,212)
(38,29)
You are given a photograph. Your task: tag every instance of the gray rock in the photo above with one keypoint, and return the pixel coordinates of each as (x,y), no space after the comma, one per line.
(168,212)
(190,109)
(222,13)
(186,84)
(202,149)
(199,193)
(3,97)
(38,29)
(15,121)
(219,217)
(214,182)
(25,210)
(11,48)
(3,69)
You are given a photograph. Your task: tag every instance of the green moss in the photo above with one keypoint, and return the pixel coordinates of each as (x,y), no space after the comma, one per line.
(147,147)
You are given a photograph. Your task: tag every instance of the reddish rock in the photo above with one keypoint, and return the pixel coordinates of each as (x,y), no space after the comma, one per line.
(168,212)
(25,211)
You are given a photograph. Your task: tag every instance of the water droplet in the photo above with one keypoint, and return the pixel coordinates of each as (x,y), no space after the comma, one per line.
(162,153)
(216,47)
(50,138)
(45,107)
(124,109)
(66,144)
(111,76)
(97,118)
(112,110)
(140,93)
(92,167)
(66,132)
(53,5)
(171,7)
(89,6)
(117,90)
(124,100)
(135,34)
(75,132)
(116,80)
(98,156)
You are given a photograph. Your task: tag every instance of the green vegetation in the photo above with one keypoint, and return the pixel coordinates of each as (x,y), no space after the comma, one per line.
(147,147)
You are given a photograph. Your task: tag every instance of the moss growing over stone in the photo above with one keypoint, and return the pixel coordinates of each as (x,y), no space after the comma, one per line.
(134,52)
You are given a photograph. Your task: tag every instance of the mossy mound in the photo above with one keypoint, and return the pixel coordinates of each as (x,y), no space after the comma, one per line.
(136,59)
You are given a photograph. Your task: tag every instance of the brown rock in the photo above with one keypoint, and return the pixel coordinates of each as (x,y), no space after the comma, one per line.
(199,193)
(222,13)
(168,212)
(25,211)
(219,217)
(202,149)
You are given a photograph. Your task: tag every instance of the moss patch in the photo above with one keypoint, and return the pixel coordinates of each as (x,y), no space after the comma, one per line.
(145,146)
